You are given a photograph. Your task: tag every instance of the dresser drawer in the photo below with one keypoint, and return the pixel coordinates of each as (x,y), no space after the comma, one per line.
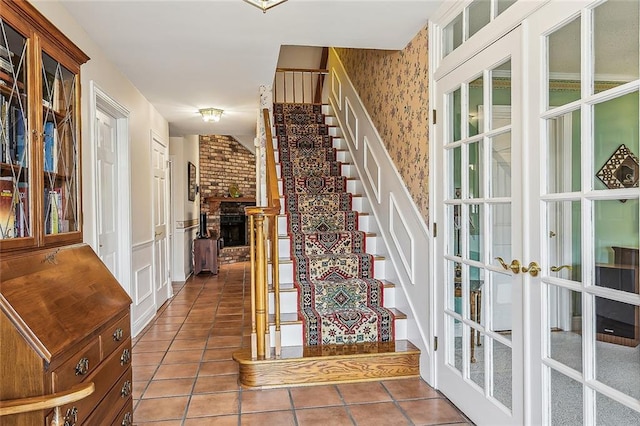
(118,397)
(125,416)
(77,368)
(109,372)
(115,334)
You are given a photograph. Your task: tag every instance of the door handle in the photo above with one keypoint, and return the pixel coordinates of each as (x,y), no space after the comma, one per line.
(532,269)
(157,234)
(560,268)
(514,266)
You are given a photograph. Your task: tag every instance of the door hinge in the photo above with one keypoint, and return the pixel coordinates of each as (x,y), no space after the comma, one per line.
(434,116)
(435,229)
(435,343)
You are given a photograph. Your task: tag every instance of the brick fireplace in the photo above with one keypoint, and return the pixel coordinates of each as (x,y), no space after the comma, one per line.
(225,162)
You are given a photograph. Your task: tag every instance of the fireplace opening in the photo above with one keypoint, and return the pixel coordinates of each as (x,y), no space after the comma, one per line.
(233,229)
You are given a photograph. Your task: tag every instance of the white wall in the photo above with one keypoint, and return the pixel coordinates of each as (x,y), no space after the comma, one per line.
(144,119)
(185,213)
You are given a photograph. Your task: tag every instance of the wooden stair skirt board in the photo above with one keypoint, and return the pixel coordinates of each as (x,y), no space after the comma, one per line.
(329,364)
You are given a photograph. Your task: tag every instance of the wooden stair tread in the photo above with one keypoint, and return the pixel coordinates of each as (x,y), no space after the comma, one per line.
(306,366)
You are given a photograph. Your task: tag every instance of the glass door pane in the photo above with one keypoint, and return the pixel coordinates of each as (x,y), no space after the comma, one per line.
(60,148)
(15,211)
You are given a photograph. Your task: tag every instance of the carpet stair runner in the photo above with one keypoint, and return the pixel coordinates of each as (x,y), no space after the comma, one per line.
(334,326)
(340,302)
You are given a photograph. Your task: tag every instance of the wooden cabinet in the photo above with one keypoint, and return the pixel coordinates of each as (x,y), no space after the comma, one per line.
(39,132)
(205,255)
(65,320)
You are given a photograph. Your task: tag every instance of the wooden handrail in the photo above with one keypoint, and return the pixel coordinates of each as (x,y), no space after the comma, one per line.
(316,70)
(274,204)
(43,402)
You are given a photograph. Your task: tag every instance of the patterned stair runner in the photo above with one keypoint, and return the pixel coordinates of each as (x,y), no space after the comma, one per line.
(339,300)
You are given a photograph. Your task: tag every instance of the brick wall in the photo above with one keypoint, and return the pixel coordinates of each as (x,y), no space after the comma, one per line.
(223,162)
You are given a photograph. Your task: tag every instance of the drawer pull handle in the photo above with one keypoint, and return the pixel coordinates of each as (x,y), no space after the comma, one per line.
(118,334)
(82,366)
(126,389)
(126,357)
(71,416)
(127,420)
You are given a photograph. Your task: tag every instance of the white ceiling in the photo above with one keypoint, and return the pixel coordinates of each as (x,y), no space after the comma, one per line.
(184,55)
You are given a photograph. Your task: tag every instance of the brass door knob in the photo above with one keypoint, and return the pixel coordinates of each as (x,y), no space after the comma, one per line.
(532,269)
(560,268)
(514,266)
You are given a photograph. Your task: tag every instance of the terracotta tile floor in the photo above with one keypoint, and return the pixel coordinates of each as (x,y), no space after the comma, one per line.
(184,375)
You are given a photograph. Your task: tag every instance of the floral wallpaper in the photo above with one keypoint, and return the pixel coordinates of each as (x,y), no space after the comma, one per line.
(393,86)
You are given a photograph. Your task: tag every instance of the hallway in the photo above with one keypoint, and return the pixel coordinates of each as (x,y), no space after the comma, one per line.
(184,375)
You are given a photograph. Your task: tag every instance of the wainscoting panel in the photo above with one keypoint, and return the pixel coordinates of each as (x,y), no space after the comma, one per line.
(401,237)
(144,307)
(372,168)
(184,234)
(351,122)
(401,226)
(336,89)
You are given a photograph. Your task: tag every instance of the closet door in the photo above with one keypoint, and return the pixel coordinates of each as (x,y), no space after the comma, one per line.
(479,257)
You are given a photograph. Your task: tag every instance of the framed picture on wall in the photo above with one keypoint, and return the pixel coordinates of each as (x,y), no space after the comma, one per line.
(191,181)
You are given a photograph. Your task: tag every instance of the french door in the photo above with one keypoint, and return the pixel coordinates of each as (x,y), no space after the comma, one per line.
(584,325)
(481,327)
(538,266)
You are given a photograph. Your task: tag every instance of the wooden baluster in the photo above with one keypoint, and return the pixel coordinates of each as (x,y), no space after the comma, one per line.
(252,256)
(265,291)
(261,320)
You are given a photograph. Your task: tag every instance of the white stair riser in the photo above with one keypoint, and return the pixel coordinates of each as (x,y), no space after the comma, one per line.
(331,120)
(284,246)
(366,223)
(289,300)
(286,270)
(291,334)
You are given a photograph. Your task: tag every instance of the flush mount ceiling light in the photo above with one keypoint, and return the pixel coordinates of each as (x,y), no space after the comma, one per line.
(211,114)
(265,4)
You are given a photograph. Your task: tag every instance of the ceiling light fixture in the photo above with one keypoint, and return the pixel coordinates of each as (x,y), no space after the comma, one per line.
(264,5)
(211,114)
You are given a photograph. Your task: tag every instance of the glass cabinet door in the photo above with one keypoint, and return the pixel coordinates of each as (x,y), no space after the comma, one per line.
(15,214)
(59,148)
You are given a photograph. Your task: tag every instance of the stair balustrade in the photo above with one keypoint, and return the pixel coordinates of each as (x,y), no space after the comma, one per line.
(263,244)
(298,85)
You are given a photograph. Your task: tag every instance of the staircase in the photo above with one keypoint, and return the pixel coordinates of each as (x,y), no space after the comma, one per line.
(337,317)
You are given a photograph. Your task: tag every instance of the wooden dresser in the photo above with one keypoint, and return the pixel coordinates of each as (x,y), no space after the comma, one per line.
(65,321)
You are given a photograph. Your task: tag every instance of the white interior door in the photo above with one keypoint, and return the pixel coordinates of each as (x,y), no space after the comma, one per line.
(162,276)
(107,198)
(480,330)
